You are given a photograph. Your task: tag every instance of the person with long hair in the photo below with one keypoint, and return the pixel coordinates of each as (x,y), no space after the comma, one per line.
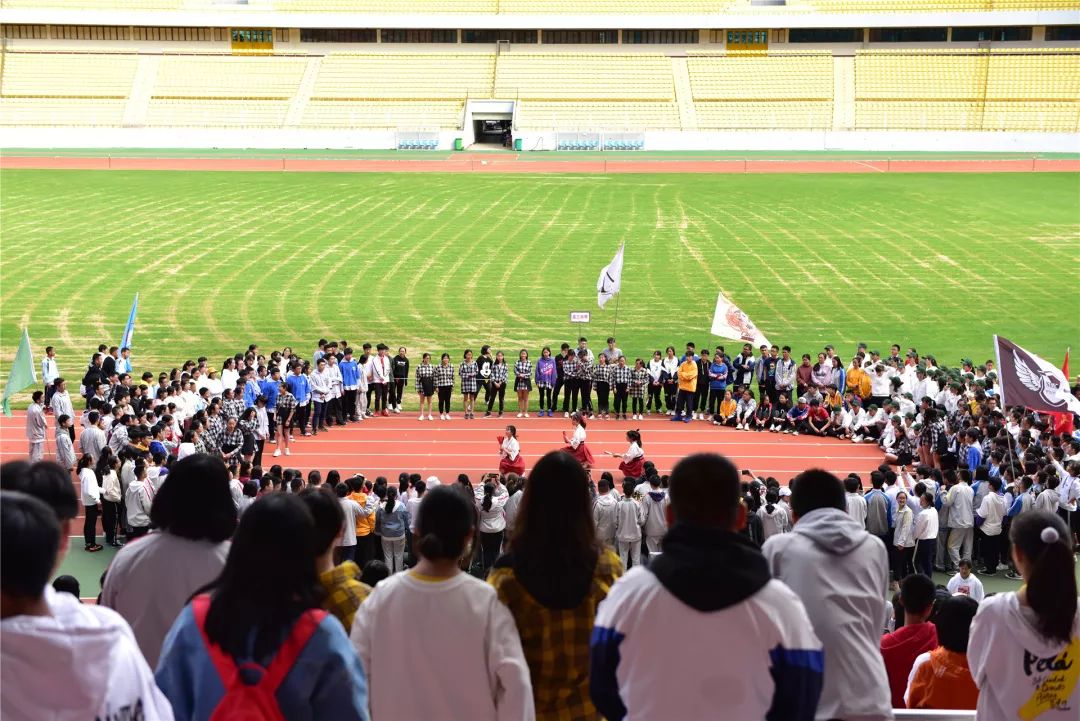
(1024,645)
(601,380)
(546,375)
(264,610)
(425,384)
(575,443)
(444,383)
(391,523)
(510,460)
(107,472)
(496,384)
(490,498)
(552,579)
(523,382)
(467,371)
(633,460)
(91,501)
(437,617)
(150,581)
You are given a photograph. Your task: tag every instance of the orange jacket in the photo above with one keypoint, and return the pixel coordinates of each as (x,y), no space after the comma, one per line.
(858,382)
(365,525)
(943,682)
(688,375)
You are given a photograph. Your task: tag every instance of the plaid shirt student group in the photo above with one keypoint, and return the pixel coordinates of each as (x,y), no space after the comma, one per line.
(571,367)
(556,641)
(499,372)
(523,375)
(286,403)
(638,382)
(622,375)
(601,373)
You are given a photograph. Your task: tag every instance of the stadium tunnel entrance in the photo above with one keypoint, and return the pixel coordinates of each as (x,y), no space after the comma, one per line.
(489,124)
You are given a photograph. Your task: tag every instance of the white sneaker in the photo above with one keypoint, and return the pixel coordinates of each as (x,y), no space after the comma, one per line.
(565,415)
(448,416)
(421,416)
(397,409)
(794,433)
(519,415)
(429,417)
(856,439)
(288,452)
(526,415)
(277,453)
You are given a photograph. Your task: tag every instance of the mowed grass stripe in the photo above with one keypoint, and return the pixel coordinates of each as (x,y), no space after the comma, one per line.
(437,262)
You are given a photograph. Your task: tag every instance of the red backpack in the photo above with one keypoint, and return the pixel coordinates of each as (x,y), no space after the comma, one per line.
(254,701)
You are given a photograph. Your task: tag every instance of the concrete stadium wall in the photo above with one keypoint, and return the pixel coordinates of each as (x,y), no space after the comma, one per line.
(883,141)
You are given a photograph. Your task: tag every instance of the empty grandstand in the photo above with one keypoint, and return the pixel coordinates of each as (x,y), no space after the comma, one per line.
(706,75)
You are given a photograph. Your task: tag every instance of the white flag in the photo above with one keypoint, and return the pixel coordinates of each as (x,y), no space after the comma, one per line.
(610,280)
(730,322)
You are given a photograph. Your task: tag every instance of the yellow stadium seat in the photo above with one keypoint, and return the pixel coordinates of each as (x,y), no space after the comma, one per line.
(584,76)
(411,76)
(68,74)
(612,116)
(217,113)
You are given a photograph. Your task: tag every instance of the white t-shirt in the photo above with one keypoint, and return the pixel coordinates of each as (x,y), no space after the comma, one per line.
(970,586)
(1020,674)
(460,624)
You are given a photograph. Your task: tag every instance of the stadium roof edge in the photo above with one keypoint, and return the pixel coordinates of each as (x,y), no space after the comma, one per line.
(776,19)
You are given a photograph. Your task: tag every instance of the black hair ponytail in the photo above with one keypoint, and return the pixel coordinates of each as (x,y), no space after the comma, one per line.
(1046,542)
(489,495)
(391,498)
(444,520)
(635,437)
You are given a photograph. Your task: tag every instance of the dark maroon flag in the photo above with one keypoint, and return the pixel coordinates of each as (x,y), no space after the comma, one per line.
(1027,380)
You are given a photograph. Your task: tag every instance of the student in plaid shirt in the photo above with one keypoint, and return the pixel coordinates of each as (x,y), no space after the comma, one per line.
(468,371)
(444,382)
(286,407)
(621,376)
(425,384)
(638,384)
(230,440)
(231,406)
(523,382)
(601,378)
(497,375)
(571,370)
(552,579)
(584,382)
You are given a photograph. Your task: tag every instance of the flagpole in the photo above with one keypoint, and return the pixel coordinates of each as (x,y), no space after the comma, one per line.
(616,323)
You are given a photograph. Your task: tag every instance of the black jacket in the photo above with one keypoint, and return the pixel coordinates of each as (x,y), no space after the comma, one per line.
(399,366)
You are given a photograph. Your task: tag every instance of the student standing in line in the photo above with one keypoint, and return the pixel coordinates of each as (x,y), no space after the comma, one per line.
(655,504)
(65,449)
(718,374)
(1023,645)
(560,381)
(400,370)
(286,410)
(444,384)
(91,497)
(601,379)
(639,382)
(490,498)
(669,376)
(571,379)
(687,382)
(903,540)
(522,382)
(391,523)
(381,377)
(702,400)
(656,383)
(467,371)
(496,384)
(300,388)
(425,384)
(462,622)
(926,533)
(584,382)
(112,495)
(350,382)
(621,376)
(510,460)
(546,374)
(575,443)
(37,427)
(483,374)
(629,517)
(138,498)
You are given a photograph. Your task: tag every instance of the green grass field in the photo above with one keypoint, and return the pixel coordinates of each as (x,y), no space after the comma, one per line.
(440,262)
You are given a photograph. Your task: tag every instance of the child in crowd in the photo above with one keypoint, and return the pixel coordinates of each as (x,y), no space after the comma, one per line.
(941,679)
(629,517)
(966,583)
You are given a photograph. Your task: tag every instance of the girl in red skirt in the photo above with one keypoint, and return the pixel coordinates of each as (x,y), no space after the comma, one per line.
(510,460)
(575,443)
(633,461)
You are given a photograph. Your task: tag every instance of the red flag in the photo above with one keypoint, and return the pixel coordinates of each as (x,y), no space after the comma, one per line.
(1063,422)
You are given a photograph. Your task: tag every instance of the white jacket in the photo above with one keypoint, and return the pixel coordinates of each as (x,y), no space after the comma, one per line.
(604,516)
(629,515)
(904,533)
(493,520)
(80,662)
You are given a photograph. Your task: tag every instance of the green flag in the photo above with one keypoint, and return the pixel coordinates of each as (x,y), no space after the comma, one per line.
(22,373)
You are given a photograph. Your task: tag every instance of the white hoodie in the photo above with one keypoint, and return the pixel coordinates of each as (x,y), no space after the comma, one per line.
(81,662)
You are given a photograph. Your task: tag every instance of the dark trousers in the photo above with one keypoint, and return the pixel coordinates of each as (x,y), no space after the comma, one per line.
(138,532)
(300,416)
(90,525)
(487,389)
(494,393)
(991,555)
(381,392)
(271,422)
(585,386)
(702,398)
(924,557)
(259,445)
(110,519)
(349,404)
(902,562)
(397,391)
(671,392)
(560,384)
(654,397)
(603,395)
(637,405)
(570,394)
(318,417)
(444,398)
(622,392)
(684,405)
(49,390)
(365,549)
(490,547)
(545,398)
(370,394)
(715,396)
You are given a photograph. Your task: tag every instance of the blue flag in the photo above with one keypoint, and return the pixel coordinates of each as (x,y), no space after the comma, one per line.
(125,341)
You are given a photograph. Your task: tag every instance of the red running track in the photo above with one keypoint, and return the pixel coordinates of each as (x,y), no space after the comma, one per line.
(401,443)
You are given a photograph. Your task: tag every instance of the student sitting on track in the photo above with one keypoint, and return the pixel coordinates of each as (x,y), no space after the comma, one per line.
(744,413)
(728,408)
(795,417)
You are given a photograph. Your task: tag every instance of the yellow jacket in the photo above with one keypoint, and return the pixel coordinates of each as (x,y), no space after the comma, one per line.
(858,382)
(688,375)
(728,408)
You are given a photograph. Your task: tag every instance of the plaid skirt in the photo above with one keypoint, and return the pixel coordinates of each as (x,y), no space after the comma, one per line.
(523,383)
(468,385)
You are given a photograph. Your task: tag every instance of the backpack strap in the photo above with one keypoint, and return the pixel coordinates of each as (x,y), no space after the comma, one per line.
(286,656)
(283,660)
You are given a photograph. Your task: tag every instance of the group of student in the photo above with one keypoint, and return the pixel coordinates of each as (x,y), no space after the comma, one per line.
(556,625)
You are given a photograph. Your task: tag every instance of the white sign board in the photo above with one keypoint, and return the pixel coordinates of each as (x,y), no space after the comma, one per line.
(580,316)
